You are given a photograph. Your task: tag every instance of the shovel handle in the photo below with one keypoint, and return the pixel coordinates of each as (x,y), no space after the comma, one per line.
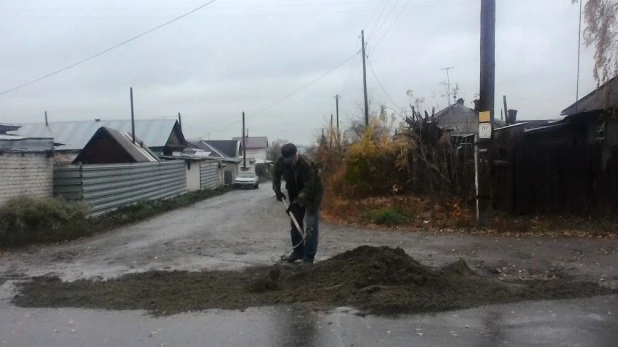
(300,230)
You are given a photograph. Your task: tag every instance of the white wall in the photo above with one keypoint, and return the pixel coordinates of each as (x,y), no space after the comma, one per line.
(259,154)
(28,174)
(193,175)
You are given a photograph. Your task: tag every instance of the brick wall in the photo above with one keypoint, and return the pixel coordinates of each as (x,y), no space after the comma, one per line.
(28,174)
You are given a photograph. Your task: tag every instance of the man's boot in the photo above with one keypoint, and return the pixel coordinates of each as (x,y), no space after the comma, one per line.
(294,256)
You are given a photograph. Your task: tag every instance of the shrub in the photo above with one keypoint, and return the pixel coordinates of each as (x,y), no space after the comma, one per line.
(385,216)
(25,220)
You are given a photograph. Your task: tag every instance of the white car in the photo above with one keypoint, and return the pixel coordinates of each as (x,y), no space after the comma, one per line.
(246,179)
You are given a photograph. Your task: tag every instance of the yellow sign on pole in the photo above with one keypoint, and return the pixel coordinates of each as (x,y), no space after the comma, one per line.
(484,117)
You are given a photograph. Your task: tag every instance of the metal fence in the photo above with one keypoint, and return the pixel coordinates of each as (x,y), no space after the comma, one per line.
(107,187)
(209,176)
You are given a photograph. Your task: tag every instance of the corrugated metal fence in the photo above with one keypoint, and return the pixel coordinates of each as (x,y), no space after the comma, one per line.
(107,187)
(209,176)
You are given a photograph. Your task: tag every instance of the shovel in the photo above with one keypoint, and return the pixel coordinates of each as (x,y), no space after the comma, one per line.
(300,230)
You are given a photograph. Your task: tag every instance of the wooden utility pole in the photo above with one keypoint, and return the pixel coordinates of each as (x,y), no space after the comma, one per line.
(180,121)
(337,111)
(506,110)
(330,132)
(132,115)
(486,108)
(46,122)
(244,144)
(365,79)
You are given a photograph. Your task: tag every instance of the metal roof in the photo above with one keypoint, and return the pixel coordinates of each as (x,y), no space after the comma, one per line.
(256,142)
(606,96)
(229,148)
(75,135)
(24,144)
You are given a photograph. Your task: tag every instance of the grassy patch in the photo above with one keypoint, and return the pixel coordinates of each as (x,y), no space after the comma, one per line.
(25,220)
(385,216)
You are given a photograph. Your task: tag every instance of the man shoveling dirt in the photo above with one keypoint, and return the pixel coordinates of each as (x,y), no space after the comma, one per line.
(304,186)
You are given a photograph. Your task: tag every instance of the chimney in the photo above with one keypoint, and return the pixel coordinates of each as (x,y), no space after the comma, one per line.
(511,117)
(460,101)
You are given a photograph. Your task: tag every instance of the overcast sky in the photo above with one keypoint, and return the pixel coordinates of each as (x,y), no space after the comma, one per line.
(244,55)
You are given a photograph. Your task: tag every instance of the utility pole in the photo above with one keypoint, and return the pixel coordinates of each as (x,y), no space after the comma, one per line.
(46,122)
(244,144)
(337,110)
(506,110)
(330,132)
(448,83)
(132,115)
(180,121)
(486,108)
(365,79)
(579,54)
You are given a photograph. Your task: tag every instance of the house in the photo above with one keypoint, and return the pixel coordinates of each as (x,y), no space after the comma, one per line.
(227,152)
(256,146)
(26,165)
(460,120)
(162,136)
(592,119)
(111,146)
(224,148)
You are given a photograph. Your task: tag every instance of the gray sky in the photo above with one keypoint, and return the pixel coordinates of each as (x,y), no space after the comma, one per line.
(237,55)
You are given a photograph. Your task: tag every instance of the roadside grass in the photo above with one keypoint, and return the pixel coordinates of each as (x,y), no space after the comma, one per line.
(416,213)
(385,216)
(27,221)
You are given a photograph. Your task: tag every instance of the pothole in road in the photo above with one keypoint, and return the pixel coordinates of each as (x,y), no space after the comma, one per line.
(376,280)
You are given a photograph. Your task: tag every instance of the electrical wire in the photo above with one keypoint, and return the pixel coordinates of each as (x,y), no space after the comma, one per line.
(377,30)
(379,17)
(392,24)
(287,96)
(380,83)
(107,50)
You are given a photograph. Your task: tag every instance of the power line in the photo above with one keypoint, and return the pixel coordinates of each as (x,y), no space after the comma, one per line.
(352,68)
(392,24)
(376,30)
(380,83)
(379,17)
(249,114)
(107,50)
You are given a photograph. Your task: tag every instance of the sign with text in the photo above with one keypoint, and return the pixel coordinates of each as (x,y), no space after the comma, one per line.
(485,130)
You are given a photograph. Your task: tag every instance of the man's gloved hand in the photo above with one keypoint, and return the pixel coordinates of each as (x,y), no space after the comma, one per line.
(280,196)
(294,206)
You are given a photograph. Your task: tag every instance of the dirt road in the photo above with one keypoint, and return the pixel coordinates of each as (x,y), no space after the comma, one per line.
(249,227)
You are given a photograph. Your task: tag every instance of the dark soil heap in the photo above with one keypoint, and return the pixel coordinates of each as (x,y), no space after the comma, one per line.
(375,280)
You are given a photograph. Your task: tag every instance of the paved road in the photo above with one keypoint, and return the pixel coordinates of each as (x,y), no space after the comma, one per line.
(248,227)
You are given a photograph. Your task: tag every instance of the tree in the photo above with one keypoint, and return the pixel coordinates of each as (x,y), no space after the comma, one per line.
(601,31)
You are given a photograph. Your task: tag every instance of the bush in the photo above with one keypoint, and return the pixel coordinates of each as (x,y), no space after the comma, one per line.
(385,216)
(25,220)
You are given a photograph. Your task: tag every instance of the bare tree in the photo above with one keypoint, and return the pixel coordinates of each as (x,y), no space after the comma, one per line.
(601,31)
(274,151)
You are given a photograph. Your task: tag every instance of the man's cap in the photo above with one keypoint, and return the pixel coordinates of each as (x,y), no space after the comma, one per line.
(288,152)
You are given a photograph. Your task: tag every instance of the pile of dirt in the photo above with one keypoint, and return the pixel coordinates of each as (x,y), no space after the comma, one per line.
(378,280)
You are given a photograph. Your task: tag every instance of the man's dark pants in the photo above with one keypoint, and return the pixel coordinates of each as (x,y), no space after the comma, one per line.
(311,219)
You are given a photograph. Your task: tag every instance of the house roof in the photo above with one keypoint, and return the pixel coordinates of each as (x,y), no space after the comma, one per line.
(138,151)
(256,142)
(75,135)
(599,99)
(10,143)
(214,152)
(229,148)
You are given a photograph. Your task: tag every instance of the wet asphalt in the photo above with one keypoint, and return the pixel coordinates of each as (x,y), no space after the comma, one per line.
(244,228)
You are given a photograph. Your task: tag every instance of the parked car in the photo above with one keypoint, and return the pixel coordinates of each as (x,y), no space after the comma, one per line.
(246,179)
